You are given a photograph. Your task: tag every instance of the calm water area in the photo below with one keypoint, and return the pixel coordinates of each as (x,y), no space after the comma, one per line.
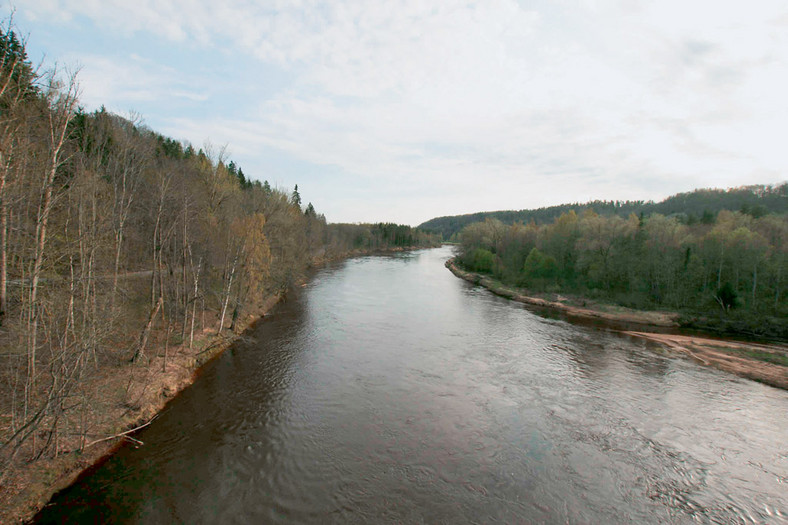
(389,391)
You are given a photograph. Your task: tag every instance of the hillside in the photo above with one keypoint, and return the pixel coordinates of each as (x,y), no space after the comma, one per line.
(701,205)
(126,258)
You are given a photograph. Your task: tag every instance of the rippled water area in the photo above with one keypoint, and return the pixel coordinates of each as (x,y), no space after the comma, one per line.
(389,391)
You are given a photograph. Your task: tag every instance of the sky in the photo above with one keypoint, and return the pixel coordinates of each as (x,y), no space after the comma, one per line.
(405,110)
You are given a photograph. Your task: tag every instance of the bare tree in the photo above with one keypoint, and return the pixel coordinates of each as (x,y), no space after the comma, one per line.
(61,105)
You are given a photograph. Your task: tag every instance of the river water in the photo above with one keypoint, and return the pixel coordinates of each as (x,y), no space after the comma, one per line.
(390,391)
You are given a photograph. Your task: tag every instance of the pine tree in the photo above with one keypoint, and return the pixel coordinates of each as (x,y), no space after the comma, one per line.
(296,198)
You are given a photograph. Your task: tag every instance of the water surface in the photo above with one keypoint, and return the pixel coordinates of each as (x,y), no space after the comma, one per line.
(391,391)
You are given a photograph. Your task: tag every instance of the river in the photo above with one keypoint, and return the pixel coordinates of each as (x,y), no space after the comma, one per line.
(390,391)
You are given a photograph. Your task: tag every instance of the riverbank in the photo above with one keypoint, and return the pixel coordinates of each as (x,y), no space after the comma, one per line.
(610,313)
(766,363)
(126,396)
(750,360)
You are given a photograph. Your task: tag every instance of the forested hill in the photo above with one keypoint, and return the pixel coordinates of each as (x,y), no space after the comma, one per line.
(115,239)
(696,206)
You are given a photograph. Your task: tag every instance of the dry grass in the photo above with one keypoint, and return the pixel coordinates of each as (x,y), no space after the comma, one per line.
(123,395)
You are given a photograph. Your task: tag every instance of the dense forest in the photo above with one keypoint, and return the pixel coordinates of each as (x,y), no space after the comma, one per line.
(688,208)
(113,236)
(727,273)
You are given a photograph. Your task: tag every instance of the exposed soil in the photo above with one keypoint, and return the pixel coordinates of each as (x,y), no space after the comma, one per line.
(765,363)
(125,396)
(730,356)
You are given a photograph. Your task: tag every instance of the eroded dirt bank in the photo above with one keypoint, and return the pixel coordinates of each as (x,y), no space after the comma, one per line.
(127,397)
(751,360)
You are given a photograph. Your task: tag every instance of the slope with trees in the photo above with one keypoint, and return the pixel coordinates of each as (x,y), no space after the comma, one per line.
(689,208)
(727,275)
(119,246)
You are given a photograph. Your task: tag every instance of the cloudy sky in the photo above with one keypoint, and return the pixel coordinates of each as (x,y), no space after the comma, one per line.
(403,110)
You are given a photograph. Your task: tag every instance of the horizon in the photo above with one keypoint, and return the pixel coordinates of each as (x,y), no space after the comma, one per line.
(416,111)
(622,201)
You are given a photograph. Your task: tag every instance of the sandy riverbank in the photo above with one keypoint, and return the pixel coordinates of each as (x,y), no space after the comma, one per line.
(730,356)
(602,312)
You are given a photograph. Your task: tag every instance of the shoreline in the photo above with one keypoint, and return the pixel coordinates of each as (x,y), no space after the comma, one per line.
(33,485)
(28,488)
(727,355)
(148,390)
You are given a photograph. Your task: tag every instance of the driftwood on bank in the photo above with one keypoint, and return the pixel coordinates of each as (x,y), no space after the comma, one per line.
(124,434)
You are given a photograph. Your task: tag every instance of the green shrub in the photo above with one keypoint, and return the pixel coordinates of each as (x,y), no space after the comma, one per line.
(482,260)
(540,266)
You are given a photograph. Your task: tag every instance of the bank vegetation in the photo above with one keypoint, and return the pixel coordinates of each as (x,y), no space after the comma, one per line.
(124,255)
(725,274)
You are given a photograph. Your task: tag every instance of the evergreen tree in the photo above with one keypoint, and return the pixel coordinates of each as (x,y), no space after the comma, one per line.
(14,61)
(296,198)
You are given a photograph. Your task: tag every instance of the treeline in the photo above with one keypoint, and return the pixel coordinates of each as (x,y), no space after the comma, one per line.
(728,274)
(689,208)
(110,232)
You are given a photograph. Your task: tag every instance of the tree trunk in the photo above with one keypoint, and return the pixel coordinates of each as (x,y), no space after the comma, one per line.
(42,222)
(118,243)
(60,114)
(143,340)
(184,281)
(226,294)
(126,199)
(194,300)
(719,271)
(3,236)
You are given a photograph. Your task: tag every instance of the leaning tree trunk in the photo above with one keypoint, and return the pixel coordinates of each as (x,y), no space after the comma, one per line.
(143,340)
(226,293)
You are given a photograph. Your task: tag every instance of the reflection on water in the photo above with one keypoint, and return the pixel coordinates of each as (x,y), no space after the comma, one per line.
(391,391)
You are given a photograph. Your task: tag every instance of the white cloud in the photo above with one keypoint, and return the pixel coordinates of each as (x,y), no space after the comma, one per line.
(120,83)
(559,101)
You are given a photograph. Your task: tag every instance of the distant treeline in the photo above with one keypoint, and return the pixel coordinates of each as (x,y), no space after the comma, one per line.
(699,206)
(109,230)
(729,271)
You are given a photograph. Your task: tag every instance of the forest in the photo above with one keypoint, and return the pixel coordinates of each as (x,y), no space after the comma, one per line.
(724,274)
(116,242)
(701,205)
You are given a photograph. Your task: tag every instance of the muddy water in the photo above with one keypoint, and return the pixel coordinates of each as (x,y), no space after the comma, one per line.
(391,391)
